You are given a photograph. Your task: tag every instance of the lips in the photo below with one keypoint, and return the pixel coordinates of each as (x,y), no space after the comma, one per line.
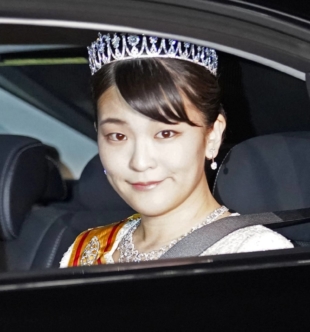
(143,186)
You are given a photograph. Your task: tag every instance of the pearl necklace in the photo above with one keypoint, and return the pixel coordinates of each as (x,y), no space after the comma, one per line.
(128,253)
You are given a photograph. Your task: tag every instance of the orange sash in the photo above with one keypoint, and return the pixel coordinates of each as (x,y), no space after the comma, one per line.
(90,246)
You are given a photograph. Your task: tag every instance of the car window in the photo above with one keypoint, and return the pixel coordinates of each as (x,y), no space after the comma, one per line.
(264,61)
(45,94)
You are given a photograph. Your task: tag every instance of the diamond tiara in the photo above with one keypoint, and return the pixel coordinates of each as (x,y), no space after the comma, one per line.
(107,49)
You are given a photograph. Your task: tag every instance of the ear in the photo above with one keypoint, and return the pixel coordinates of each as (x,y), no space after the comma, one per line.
(214,137)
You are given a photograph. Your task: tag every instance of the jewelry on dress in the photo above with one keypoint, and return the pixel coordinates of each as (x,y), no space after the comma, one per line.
(127,250)
(90,252)
(214,163)
(121,46)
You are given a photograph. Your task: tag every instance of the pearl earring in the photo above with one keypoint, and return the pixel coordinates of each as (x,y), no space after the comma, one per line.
(105,171)
(214,163)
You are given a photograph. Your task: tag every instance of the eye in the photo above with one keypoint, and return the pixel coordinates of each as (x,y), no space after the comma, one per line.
(117,137)
(166,134)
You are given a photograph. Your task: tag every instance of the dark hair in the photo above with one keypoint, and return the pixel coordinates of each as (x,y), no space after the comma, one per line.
(154,87)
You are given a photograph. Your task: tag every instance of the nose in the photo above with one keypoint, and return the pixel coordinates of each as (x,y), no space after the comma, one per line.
(143,156)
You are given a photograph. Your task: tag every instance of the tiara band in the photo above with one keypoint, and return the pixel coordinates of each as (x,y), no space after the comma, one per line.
(107,49)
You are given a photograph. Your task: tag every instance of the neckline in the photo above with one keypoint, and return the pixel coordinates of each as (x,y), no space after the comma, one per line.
(126,244)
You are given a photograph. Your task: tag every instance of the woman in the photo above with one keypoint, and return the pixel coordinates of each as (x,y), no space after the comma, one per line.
(158,117)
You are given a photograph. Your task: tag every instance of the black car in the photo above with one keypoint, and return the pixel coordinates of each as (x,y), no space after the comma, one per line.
(53,186)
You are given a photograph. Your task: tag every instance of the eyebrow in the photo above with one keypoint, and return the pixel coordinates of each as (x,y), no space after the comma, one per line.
(112,120)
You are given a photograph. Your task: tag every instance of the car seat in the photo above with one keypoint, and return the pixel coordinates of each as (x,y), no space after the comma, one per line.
(268,173)
(28,179)
(37,223)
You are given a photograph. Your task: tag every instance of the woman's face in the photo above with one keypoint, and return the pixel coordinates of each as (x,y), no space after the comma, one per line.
(155,167)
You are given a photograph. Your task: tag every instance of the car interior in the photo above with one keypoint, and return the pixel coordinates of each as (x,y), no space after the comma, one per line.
(46,202)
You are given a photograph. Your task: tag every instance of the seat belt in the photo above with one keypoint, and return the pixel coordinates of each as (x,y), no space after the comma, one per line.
(201,239)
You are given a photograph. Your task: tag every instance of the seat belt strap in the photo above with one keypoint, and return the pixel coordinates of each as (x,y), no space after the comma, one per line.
(201,239)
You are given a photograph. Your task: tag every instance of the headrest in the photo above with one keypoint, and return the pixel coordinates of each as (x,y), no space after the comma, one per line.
(95,191)
(266,173)
(25,176)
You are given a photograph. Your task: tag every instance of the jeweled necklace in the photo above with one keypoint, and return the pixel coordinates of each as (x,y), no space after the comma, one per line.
(127,250)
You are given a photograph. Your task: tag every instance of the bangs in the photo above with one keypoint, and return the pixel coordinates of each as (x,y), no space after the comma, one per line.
(148,87)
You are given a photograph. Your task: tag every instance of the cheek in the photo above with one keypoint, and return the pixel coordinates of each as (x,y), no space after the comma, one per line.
(184,155)
(102,151)
(109,156)
(115,160)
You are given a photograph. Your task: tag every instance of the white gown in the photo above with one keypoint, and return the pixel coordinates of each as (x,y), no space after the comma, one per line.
(248,239)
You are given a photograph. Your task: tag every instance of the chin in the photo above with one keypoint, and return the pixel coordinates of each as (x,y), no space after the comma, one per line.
(151,212)
(151,207)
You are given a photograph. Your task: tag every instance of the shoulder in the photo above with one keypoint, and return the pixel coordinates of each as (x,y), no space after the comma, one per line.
(252,238)
(255,238)
(92,243)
